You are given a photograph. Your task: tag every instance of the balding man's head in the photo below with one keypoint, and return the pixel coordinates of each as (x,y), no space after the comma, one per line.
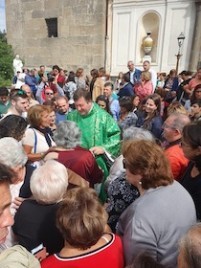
(26,88)
(173,126)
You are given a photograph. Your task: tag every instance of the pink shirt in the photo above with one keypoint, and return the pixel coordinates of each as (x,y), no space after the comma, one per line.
(143,90)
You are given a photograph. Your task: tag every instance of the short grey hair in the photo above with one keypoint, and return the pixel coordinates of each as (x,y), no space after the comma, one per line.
(179,121)
(131,62)
(49,182)
(190,246)
(12,153)
(67,135)
(135,133)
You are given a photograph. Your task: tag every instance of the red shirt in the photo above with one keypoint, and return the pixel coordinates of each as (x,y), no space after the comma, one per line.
(61,80)
(178,162)
(82,162)
(110,255)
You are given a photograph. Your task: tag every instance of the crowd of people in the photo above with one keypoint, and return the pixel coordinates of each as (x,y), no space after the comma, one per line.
(95,172)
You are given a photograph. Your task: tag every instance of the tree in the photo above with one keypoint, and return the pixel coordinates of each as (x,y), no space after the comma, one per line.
(6,60)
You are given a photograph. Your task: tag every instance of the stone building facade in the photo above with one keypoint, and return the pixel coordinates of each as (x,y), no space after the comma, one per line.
(94,33)
(80,32)
(165,20)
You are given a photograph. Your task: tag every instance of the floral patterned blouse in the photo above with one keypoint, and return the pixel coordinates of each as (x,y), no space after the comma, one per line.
(120,195)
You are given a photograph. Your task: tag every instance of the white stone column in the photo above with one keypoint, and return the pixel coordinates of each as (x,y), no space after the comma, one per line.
(196,45)
(108,38)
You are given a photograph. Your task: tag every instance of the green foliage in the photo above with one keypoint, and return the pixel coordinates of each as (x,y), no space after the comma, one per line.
(6,61)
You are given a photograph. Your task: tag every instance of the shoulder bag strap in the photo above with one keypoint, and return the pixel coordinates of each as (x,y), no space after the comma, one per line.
(35,140)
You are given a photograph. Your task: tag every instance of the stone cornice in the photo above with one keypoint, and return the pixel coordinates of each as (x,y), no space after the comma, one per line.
(151,2)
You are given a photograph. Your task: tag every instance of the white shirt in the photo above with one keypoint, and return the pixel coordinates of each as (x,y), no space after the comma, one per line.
(132,76)
(153,78)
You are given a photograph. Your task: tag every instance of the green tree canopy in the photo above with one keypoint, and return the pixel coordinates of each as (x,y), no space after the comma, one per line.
(6,60)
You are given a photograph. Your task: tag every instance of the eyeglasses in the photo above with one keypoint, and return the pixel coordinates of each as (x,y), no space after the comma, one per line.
(166,126)
(49,93)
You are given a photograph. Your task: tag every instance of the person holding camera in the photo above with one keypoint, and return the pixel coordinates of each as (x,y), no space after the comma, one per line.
(48,89)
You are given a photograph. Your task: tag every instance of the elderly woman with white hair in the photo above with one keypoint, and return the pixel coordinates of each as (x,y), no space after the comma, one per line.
(13,155)
(67,137)
(35,218)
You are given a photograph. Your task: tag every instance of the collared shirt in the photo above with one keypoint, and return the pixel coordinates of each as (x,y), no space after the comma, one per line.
(132,76)
(114,107)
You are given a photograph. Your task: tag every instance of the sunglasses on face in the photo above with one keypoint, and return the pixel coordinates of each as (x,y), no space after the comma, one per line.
(49,93)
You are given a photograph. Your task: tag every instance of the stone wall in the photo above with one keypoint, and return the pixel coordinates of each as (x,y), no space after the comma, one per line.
(81,32)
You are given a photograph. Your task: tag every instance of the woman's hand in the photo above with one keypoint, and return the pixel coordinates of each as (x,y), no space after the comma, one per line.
(97,150)
(17,202)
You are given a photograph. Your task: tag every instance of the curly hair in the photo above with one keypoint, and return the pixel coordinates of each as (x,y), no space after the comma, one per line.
(13,126)
(35,114)
(67,135)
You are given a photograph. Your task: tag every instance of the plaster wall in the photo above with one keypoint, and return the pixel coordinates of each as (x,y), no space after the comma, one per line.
(173,17)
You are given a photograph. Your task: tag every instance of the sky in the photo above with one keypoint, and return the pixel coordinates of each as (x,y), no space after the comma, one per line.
(2,15)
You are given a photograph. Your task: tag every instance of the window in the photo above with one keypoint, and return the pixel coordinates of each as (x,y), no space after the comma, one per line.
(52,27)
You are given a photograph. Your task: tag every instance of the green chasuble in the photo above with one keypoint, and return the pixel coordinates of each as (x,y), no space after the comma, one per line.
(98,129)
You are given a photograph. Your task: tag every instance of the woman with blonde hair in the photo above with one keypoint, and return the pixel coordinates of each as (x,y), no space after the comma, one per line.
(96,85)
(37,139)
(144,88)
(162,214)
(176,107)
(82,221)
